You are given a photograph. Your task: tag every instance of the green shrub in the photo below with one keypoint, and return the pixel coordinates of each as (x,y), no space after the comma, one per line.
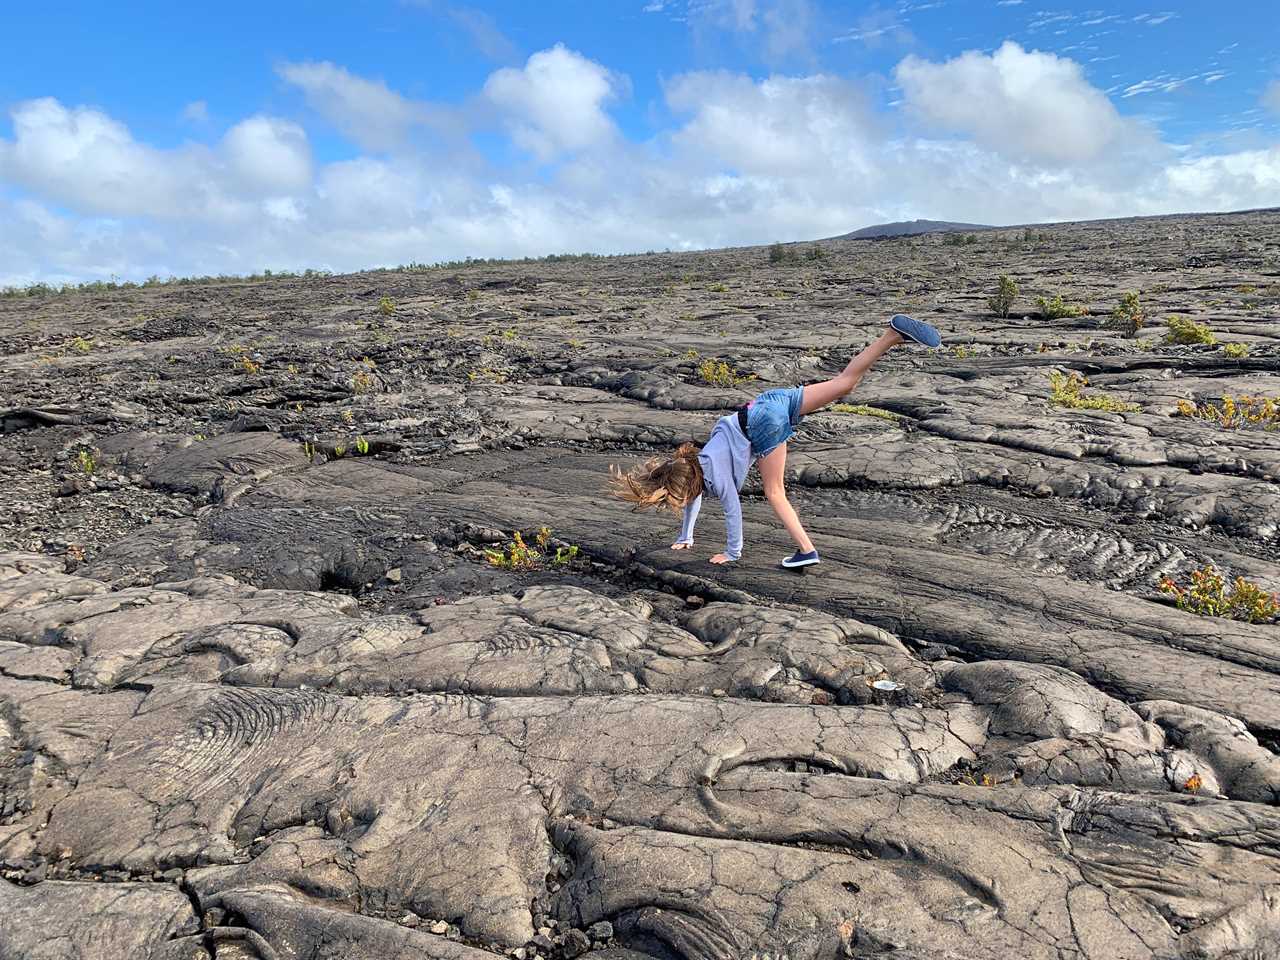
(720,374)
(1184,330)
(1057,308)
(1067,392)
(1208,596)
(1001,302)
(1129,316)
(815,253)
(862,410)
(1236,351)
(386,306)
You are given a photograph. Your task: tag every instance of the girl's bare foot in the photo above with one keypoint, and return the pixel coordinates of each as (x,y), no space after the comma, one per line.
(720,558)
(681,546)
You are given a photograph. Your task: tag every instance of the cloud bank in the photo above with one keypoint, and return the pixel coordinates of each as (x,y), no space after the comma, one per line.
(1011,136)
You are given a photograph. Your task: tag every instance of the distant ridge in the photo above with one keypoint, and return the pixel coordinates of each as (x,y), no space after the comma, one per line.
(908,227)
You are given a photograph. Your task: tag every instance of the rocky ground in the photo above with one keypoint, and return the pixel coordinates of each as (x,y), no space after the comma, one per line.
(264,694)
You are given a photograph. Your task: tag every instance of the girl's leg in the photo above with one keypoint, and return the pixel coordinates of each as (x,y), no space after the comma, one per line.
(818,395)
(772,467)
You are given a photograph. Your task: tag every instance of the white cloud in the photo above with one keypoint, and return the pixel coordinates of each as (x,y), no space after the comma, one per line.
(780,126)
(368,111)
(197,111)
(555,103)
(1271,96)
(1027,103)
(745,160)
(268,155)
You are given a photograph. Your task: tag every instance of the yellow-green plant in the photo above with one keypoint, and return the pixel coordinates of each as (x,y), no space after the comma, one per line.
(86,461)
(80,345)
(1001,302)
(386,306)
(1235,412)
(516,555)
(862,410)
(308,450)
(1207,595)
(249,365)
(1184,330)
(1129,316)
(961,352)
(1067,391)
(1236,351)
(718,288)
(718,373)
(362,447)
(565,555)
(1057,308)
(348,417)
(362,381)
(338,450)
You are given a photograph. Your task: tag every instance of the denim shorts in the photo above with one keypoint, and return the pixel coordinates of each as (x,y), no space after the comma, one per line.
(772,418)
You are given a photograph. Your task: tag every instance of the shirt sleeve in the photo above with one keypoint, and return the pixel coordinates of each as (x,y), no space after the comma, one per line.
(728,495)
(690,518)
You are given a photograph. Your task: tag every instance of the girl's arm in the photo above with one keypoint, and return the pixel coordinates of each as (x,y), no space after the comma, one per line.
(732,521)
(690,519)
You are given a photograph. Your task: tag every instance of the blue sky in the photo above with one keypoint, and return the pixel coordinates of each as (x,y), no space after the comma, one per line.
(224,138)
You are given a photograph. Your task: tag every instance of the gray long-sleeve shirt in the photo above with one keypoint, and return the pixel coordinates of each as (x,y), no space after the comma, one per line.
(725,460)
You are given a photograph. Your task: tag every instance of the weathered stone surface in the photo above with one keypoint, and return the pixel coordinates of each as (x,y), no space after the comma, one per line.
(264,695)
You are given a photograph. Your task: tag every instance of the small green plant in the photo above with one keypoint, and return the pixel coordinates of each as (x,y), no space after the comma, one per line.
(362,447)
(1207,595)
(961,352)
(565,555)
(493,376)
(718,288)
(509,334)
(308,450)
(338,451)
(1057,308)
(718,373)
(1067,391)
(386,306)
(862,410)
(516,555)
(1184,330)
(249,365)
(1128,317)
(80,345)
(1236,412)
(1001,302)
(691,354)
(573,343)
(778,253)
(1236,351)
(348,417)
(362,381)
(86,461)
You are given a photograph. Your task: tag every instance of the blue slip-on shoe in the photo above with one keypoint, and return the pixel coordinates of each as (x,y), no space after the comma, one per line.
(799,559)
(916,330)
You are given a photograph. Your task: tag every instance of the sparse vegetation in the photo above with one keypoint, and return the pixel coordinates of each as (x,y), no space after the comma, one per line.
(1208,596)
(80,345)
(518,555)
(1236,351)
(1001,302)
(362,381)
(1067,391)
(249,365)
(718,373)
(959,240)
(386,306)
(815,252)
(862,410)
(1057,309)
(1128,318)
(87,461)
(1236,412)
(493,376)
(718,288)
(362,447)
(1184,330)
(961,352)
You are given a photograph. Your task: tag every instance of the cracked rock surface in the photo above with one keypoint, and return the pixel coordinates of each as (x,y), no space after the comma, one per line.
(264,695)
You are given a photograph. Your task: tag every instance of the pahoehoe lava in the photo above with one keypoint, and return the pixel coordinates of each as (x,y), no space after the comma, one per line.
(264,692)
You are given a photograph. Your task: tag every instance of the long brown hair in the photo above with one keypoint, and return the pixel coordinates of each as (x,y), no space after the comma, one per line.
(670,481)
